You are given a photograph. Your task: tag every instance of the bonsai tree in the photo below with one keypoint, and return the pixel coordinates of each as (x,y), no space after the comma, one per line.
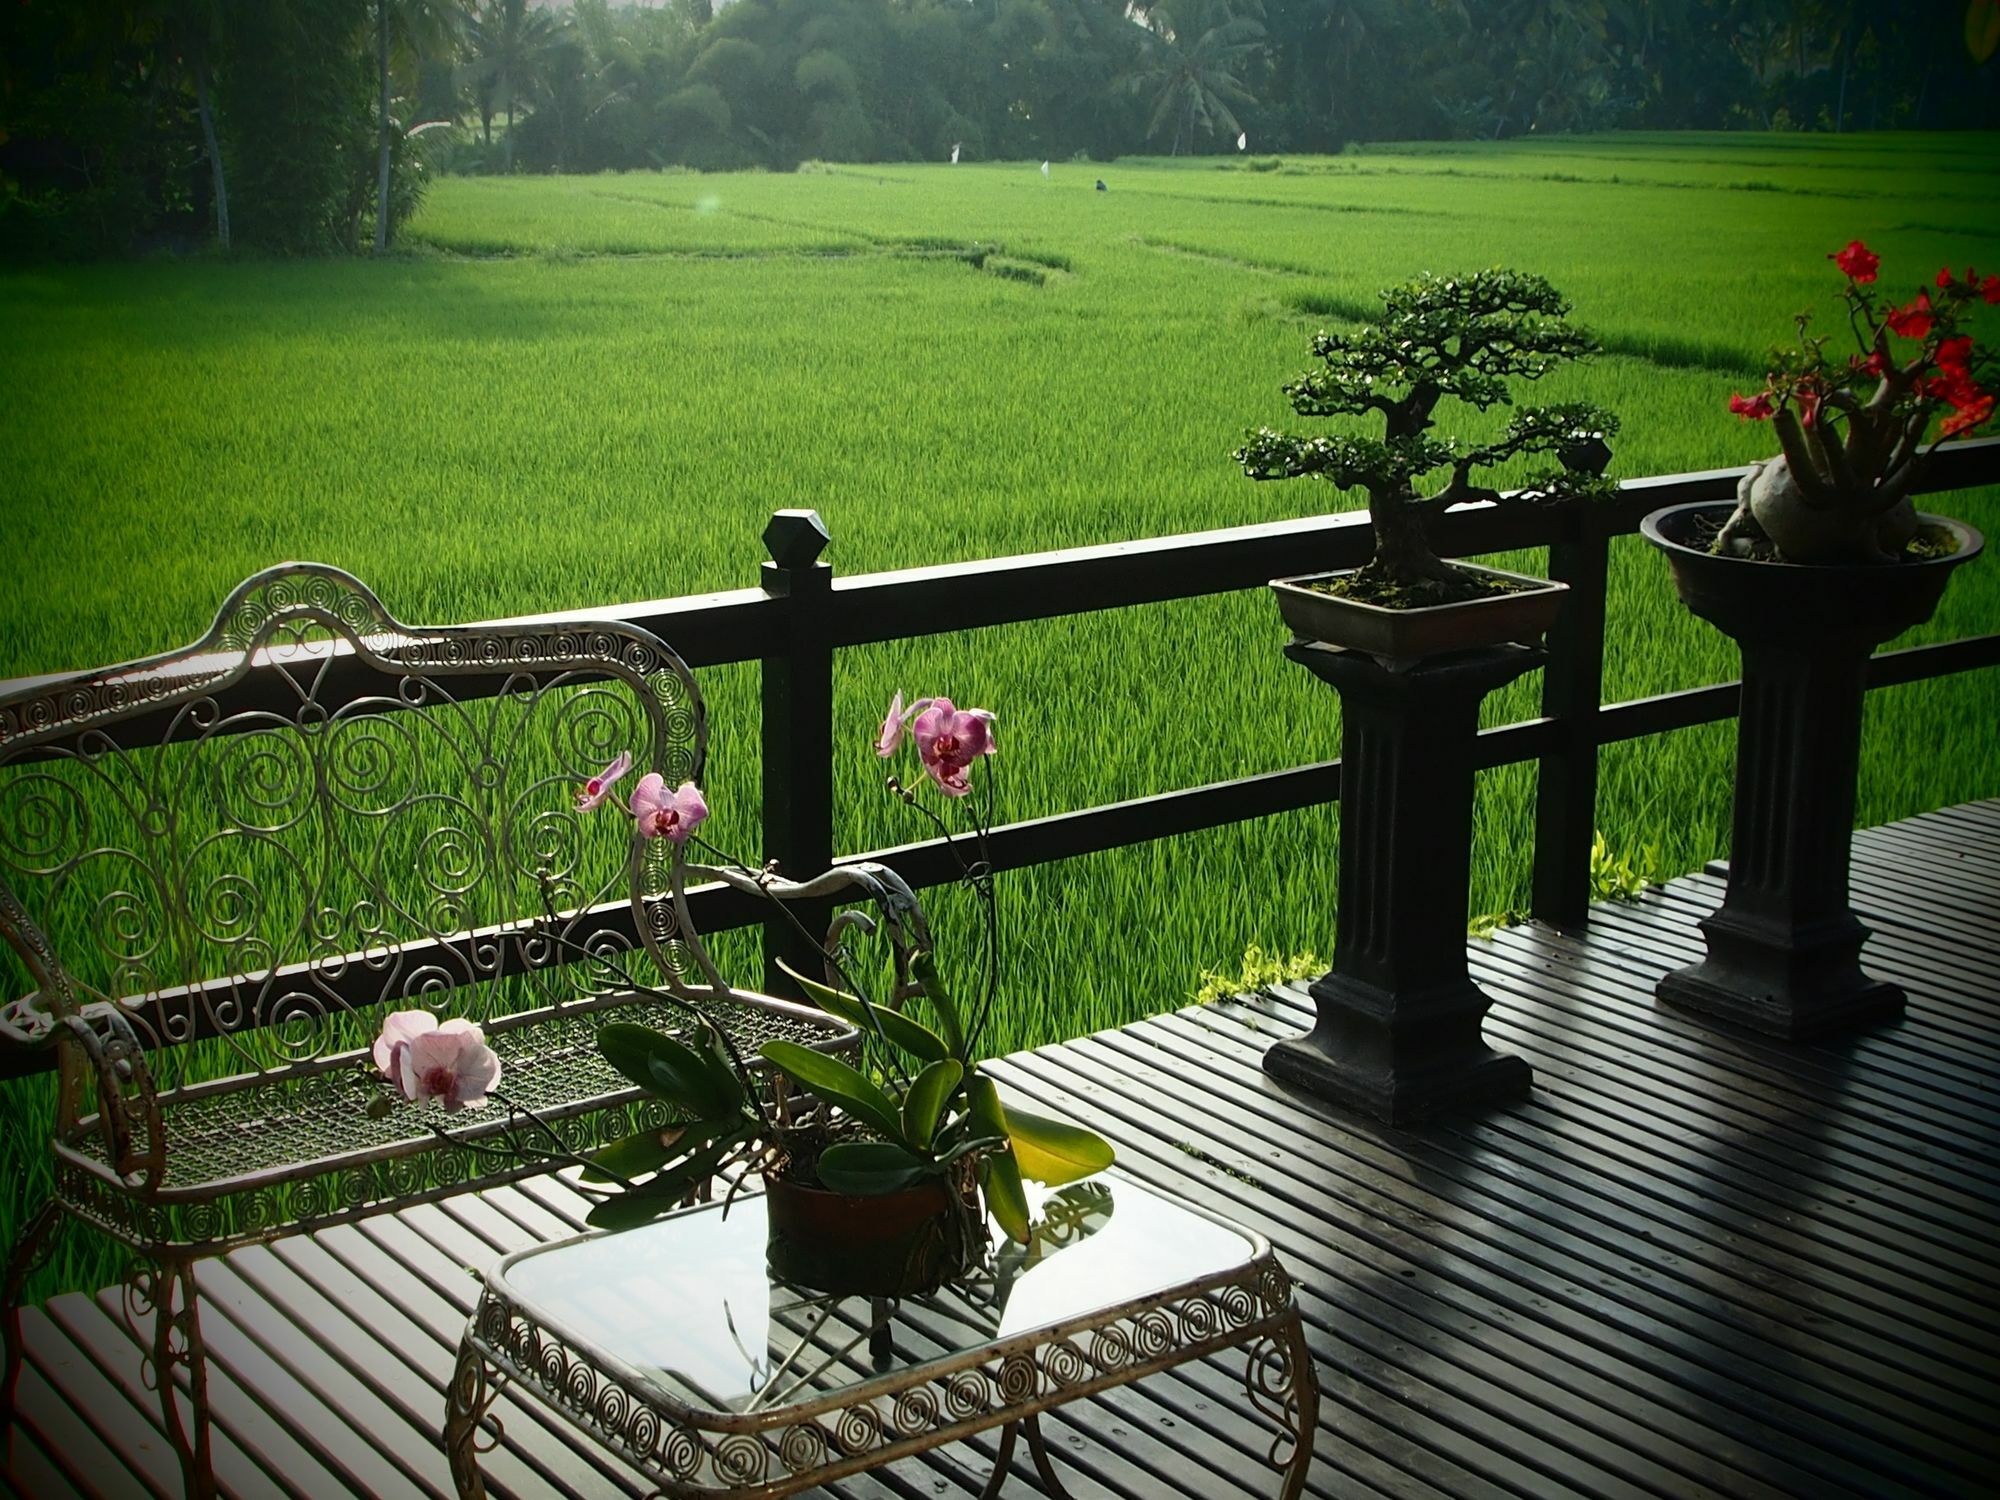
(1851,427)
(1462,337)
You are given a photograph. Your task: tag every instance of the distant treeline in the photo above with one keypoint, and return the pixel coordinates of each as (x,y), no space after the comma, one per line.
(310,125)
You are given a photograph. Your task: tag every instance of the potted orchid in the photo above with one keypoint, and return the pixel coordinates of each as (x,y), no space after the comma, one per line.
(876,1173)
(1461,339)
(1821,559)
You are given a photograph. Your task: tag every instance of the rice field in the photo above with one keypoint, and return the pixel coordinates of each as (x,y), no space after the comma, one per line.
(568,392)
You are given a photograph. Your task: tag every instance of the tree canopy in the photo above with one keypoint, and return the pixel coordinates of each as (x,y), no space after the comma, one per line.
(127,123)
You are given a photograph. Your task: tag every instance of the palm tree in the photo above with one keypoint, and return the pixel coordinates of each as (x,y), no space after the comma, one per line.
(508,40)
(1194,72)
(421,25)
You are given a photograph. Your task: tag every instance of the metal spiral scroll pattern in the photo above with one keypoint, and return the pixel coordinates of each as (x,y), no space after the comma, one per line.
(663,1439)
(337,835)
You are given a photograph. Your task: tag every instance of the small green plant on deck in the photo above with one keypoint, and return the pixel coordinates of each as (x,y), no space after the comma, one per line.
(1613,877)
(1438,337)
(1260,971)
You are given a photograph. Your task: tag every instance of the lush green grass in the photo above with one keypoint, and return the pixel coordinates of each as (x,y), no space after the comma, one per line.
(591,390)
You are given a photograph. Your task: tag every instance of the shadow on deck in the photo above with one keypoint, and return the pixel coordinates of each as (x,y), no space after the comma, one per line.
(1691,1264)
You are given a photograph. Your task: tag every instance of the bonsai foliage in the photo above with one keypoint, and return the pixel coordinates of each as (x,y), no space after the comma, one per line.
(1851,424)
(1460,338)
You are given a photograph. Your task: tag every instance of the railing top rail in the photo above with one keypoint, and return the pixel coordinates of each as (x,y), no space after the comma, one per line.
(746,624)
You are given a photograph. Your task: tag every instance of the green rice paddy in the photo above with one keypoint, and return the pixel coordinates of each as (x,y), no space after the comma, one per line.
(568,392)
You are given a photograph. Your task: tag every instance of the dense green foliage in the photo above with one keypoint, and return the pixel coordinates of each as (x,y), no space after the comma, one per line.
(102,101)
(594,390)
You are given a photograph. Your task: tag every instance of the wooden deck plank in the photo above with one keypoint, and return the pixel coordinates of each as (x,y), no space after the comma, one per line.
(94,1446)
(1712,1301)
(1694,1262)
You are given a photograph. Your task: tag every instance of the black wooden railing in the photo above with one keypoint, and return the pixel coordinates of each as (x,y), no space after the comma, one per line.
(802,614)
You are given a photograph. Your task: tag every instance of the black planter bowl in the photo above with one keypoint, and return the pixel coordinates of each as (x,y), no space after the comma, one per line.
(1400,638)
(1806,604)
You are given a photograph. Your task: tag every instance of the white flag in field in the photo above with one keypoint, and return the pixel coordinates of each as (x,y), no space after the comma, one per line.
(1045,169)
(954,152)
(1242,141)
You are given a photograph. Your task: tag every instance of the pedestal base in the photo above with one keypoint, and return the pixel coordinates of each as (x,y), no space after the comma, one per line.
(1784,982)
(1402,1059)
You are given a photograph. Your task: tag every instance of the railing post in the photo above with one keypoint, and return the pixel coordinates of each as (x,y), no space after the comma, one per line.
(1572,691)
(798,733)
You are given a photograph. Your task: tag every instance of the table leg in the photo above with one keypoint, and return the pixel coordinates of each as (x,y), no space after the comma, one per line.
(1283,1385)
(1001,1459)
(1038,1446)
(473,1388)
(1044,1465)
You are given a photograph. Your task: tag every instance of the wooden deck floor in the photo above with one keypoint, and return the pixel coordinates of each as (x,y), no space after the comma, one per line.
(1691,1264)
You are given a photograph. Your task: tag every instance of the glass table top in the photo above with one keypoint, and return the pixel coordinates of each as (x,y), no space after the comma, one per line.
(687,1303)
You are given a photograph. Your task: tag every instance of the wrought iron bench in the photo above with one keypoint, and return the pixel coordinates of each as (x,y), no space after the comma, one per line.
(219,867)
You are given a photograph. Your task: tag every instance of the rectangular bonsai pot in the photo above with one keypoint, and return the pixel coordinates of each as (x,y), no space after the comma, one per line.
(1400,638)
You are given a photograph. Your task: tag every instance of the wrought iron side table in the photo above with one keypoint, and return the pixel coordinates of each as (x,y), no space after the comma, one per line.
(671,1345)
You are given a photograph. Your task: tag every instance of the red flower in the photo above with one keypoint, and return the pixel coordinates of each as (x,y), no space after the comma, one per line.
(1809,399)
(1857,261)
(1954,356)
(1755,408)
(1914,321)
(1975,409)
(1876,364)
(1944,276)
(1990,289)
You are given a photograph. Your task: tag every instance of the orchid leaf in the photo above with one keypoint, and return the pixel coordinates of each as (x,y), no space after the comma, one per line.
(926,1099)
(1006,1200)
(649,1200)
(912,1036)
(636,1155)
(671,1069)
(837,1083)
(924,967)
(868,1168)
(1055,1152)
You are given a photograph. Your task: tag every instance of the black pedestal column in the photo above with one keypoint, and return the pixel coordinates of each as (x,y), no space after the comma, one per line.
(1398,1032)
(1784,948)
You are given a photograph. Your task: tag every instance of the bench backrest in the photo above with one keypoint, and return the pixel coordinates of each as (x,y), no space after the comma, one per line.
(315,811)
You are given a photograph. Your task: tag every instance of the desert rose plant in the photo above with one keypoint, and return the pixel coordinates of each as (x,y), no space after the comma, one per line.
(1851,423)
(1439,338)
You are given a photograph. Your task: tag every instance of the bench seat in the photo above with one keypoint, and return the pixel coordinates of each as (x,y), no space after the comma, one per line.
(257,1155)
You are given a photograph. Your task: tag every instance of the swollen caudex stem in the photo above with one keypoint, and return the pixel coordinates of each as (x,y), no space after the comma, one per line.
(1851,429)
(1439,339)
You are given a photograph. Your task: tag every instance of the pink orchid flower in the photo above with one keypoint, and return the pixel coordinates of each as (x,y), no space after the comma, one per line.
(661,814)
(427,1059)
(892,727)
(950,739)
(398,1031)
(598,787)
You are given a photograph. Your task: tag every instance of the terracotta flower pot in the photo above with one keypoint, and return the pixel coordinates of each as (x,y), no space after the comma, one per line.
(899,1244)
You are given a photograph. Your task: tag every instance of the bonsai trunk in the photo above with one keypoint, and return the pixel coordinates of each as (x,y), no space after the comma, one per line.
(1403,553)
